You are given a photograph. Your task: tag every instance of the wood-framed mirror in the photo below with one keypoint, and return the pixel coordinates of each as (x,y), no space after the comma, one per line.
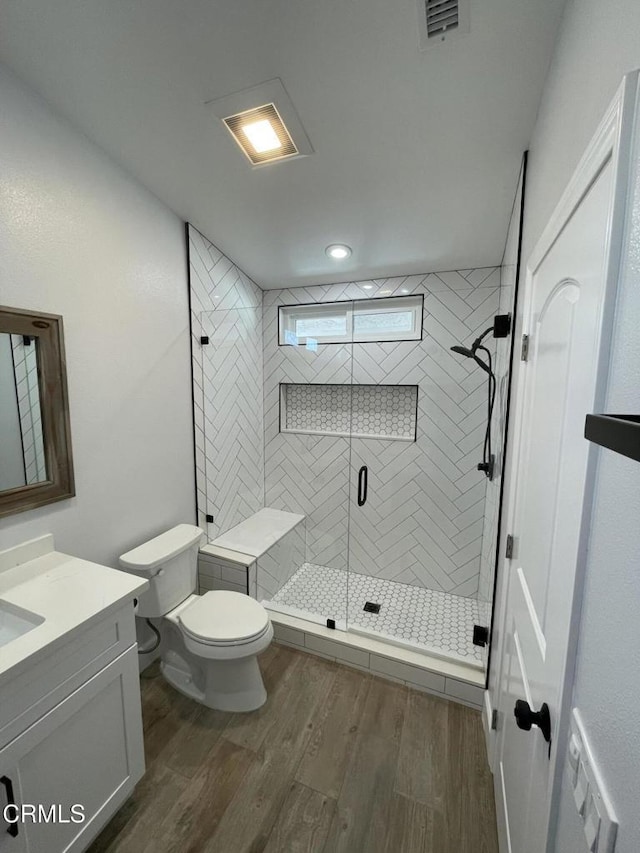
(36,465)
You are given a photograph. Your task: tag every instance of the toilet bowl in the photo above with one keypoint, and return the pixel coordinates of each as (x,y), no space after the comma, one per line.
(210,642)
(225,631)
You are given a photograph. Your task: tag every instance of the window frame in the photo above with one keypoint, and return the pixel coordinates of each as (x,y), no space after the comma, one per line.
(288,315)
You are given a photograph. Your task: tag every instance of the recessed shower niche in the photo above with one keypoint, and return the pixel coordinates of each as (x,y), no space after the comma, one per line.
(361,411)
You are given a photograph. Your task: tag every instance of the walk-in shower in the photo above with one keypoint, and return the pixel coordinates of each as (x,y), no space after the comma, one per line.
(344,404)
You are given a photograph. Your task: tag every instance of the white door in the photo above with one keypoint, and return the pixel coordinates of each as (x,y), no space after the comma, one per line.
(565,297)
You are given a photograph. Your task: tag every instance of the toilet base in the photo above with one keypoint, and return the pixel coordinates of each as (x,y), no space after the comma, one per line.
(234,685)
(181,680)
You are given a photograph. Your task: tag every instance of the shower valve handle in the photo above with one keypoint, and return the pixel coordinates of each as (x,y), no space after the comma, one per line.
(488,467)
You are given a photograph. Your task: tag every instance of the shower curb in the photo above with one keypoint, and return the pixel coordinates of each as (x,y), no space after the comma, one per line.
(452,680)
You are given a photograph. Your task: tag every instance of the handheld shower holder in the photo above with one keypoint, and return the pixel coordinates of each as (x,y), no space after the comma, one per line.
(488,467)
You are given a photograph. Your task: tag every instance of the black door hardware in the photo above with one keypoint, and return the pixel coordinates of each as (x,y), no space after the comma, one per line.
(480,635)
(362,485)
(525,718)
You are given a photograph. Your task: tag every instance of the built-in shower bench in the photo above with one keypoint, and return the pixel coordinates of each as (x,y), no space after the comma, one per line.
(230,560)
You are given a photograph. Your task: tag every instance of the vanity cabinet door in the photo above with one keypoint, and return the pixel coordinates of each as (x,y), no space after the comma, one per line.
(81,760)
(12,840)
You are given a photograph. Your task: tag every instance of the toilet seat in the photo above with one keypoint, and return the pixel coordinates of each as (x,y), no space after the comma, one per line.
(219,618)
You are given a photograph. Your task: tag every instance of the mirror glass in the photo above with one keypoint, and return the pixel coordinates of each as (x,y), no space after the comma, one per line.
(36,464)
(22,456)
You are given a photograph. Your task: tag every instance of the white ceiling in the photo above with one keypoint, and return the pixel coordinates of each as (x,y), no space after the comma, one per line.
(416,152)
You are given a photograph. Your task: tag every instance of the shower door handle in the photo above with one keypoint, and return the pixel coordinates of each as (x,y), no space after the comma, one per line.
(362,485)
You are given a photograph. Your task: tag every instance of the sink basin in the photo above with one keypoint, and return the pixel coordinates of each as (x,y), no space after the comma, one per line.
(14,622)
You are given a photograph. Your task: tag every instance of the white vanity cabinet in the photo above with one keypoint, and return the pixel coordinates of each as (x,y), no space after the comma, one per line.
(84,752)
(71,747)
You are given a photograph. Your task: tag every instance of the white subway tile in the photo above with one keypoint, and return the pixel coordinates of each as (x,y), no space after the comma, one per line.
(337,650)
(217,583)
(388,677)
(234,574)
(312,652)
(408,673)
(208,569)
(289,635)
(467,692)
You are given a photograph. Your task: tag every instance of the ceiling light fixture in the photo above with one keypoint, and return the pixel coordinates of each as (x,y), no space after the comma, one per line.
(261,134)
(338,251)
(264,123)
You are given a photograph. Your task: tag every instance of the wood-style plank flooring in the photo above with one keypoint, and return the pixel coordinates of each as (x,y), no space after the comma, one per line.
(335,762)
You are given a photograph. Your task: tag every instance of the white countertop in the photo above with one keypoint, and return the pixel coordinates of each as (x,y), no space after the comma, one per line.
(64,591)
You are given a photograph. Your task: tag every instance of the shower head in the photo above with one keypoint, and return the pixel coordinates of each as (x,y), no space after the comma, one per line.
(472,353)
(465,351)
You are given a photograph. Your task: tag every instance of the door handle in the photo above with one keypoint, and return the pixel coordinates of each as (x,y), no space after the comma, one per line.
(525,718)
(363,476)
(12,829)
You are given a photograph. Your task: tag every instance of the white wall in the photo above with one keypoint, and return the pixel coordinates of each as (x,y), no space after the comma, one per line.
(78,237)
(598,43)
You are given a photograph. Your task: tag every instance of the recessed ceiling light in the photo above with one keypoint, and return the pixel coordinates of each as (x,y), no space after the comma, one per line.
(261,134)
(338,251)
(367,287)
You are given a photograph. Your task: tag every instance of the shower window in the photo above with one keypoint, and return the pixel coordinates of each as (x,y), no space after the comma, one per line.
(361,321)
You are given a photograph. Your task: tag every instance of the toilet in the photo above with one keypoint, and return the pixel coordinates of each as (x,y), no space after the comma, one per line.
(210,642)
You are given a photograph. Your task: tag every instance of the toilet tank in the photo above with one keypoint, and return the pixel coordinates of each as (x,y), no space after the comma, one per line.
(170,563)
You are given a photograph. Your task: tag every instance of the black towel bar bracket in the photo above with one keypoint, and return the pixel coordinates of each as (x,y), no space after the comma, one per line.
(620,433)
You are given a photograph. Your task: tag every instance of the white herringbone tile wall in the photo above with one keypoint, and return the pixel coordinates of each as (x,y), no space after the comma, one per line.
(277,565)
(423,520)
(227,374)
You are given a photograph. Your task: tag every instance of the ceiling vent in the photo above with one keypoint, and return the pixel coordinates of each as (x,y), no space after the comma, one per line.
(441,20)
(442,15)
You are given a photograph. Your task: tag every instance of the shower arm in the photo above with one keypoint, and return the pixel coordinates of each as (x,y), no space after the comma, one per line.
(476,344)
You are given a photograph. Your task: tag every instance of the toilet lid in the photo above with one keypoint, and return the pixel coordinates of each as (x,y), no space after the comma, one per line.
(224,617)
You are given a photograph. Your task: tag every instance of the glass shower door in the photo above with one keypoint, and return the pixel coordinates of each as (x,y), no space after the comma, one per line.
(307,417)
(412,548)
(385,557)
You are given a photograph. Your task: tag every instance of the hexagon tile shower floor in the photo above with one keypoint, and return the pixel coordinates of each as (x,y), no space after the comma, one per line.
(422,617)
